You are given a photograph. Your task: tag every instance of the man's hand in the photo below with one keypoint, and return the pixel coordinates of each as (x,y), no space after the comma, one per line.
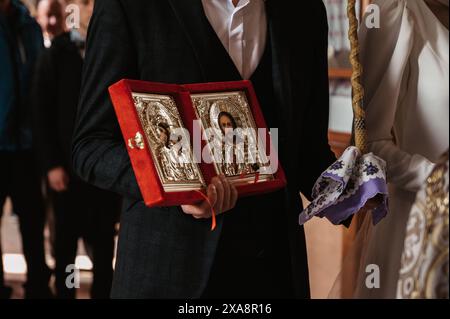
(58,179)
(222,196)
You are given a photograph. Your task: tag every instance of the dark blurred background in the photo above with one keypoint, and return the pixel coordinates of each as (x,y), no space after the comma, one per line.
(58,233)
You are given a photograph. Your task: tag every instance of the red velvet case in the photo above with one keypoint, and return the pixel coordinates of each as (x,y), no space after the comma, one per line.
(142,161)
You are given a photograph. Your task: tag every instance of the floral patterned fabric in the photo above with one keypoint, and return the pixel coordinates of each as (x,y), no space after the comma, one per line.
(425,262)
(345,187)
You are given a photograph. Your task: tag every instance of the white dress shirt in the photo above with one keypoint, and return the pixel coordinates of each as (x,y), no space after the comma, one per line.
(241,29)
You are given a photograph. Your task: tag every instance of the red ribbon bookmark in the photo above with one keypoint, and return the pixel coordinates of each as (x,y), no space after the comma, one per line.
(213,212)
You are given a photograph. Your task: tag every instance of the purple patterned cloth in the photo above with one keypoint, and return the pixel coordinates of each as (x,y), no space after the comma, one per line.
(345,187)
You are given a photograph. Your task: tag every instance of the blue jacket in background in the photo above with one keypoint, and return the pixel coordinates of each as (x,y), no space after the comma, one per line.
(20,44)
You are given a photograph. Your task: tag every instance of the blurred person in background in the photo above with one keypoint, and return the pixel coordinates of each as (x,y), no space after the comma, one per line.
(51,17)
(20,44)
(406,78)
(80,210)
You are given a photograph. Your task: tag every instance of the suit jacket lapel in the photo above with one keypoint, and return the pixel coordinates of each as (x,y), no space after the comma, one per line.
(213,59)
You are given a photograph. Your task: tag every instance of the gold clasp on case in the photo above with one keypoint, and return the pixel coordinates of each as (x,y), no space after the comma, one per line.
(136,142)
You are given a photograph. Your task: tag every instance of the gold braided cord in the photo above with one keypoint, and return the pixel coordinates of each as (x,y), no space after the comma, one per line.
(358,90)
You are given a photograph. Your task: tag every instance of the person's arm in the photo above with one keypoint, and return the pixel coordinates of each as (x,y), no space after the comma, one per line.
(99,153)
(45,110)
(385,58)
(315,146)
(98,150)
(45,118)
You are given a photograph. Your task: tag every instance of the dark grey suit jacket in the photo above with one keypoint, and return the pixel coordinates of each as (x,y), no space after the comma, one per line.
(162,252)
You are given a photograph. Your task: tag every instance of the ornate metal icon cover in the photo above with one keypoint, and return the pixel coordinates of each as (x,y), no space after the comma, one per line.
(161,123)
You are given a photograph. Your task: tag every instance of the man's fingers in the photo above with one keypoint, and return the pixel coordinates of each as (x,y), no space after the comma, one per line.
(226,193)
(196,211)
(222,196)
(203,210)
(207,207)
(190,209)
(56,186)
(219,188)
(211,192)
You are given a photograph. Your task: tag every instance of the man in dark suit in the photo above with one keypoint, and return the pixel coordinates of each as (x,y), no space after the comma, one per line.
(80,209)
(20,44)
(258,249)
